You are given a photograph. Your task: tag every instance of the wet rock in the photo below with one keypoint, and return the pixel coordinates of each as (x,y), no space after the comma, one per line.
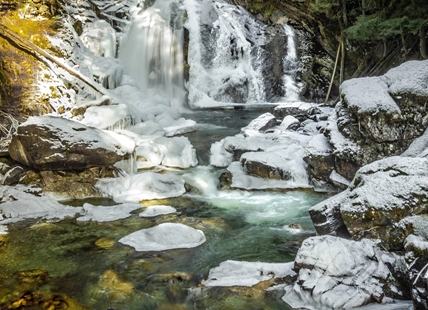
(416,247)
(111,285)
(265,165)
(300,110)
(334,273)
(319,158)
(32,278)
(225,181)
(53,143)
(326,215)
(13,176)
(276,48)
(68,184)
(43,300)
(105,243)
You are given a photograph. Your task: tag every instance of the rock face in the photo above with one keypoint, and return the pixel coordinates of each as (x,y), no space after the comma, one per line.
(53,143)
(335,273)
(381,194)
(383,114)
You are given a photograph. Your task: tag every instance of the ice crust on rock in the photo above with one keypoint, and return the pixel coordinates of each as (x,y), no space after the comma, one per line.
(100,38)
(171,152)
(19,202)
(243,181)
(107,213)
(241,273)
(143,186)
(336,273)
(152,211)
(107,117)
(166,236)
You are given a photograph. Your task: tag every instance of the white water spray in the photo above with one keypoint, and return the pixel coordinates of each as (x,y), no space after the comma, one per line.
(152,51)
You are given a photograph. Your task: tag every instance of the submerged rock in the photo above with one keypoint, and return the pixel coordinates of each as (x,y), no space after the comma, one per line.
(334,273)
(54,143)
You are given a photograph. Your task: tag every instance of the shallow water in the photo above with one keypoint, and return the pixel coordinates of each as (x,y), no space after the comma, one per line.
(85,261)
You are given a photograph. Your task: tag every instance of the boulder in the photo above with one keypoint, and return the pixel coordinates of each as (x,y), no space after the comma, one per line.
(301,110)
(280,164)
(326,215)
(411,234)
(335,273)
(289,123)
(54,143)
(261,123)
(383,114)
(319,158)
(381,194)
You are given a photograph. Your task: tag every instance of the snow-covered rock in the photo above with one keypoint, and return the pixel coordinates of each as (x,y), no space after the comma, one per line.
(319,158)
(242,180)
(107,117)
(326,215)
(171,152)
(107,213)
(335,273)
(289,122)
(163,237)
(143,186)
(384,192)
(18,203)
(54,143)
(283,164)
(240,273)
(261,123)
(384,114)
(153,211)
(300,110)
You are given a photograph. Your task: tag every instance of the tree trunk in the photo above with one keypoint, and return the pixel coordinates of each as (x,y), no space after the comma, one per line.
(43,56)
(423,43)
(342,59)
(334,73)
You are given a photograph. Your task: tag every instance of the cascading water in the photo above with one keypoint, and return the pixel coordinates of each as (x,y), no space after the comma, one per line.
(152,51)
(291,66)
(224,55)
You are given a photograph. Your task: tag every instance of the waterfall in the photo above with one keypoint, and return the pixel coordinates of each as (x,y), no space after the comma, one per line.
(224,55)
(152,51)
(291,66)
(227,57)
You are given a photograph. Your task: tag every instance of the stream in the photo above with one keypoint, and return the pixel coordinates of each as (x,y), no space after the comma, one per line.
(84,260)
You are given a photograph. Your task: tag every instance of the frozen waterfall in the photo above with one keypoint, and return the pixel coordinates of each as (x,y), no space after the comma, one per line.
(225,52)
(152,51)
(291,65)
